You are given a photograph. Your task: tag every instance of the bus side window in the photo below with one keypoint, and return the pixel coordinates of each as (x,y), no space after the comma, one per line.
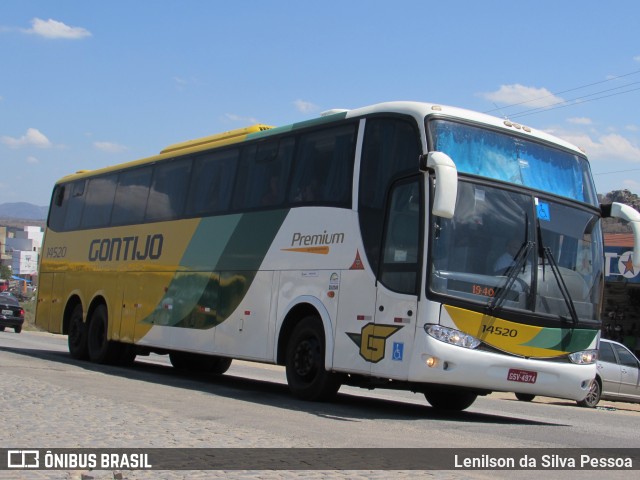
(262,178)
(59,202)
(76,205)
(212,182)
(390,150)
(399,270)
(168,192)
(131,196)
(324,167)
(99,201)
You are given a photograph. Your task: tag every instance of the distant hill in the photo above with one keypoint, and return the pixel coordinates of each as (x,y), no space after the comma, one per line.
(23,210)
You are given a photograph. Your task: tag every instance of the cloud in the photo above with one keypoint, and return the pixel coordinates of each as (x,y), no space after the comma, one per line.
(580,121)
(109,147)
(32,160)
(305,107)
(54,29)
(238,118)
(607,147)
(33,137)
(519,94)
(637,59)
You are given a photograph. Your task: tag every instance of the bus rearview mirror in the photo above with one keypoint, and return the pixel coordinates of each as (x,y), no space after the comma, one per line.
(446,183)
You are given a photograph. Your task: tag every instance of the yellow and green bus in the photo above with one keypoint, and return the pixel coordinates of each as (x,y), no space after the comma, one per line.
(402,245)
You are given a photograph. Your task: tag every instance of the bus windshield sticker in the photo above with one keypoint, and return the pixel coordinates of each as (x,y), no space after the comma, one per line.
(543,211)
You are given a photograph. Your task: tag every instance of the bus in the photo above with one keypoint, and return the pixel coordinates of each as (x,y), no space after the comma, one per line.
(364,247)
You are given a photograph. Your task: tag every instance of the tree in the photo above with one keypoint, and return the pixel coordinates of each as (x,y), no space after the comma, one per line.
(614,225)
(5,272)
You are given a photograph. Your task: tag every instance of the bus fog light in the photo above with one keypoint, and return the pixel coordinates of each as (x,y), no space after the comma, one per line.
(431,362)
(586,357)
(452,336)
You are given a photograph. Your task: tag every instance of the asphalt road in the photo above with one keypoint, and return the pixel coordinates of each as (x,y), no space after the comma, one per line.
(51,401)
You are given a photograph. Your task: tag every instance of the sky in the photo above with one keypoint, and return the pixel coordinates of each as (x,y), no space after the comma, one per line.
(85,85)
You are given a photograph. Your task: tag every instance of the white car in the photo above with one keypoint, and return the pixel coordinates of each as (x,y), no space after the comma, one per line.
(617,378)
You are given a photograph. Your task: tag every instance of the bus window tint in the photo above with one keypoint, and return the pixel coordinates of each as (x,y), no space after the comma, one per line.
(131,196)
(168,191)
(212,181)
(390,151)
(323,167)
(59,202)
(399,270)
(99,201)
(76,205)
(262,177)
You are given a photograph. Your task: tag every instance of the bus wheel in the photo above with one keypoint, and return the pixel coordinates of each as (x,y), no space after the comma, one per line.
(77,338)
(218,365)
(593,397)
(199,363)
(101,350)
(525,397)
(450,399)
(180,360)
(306,375)
(127,354)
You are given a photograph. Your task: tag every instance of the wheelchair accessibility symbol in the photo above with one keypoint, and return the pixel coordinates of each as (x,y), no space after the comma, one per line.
(543,211)
(398,351)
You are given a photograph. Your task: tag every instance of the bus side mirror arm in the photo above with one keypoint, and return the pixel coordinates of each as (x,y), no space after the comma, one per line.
(631,215)
(446,187)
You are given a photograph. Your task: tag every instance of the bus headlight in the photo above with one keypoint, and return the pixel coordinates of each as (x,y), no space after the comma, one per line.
(452,336)
(586,357)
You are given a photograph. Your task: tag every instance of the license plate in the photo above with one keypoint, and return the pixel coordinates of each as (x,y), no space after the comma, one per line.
(524,376)
(7,312)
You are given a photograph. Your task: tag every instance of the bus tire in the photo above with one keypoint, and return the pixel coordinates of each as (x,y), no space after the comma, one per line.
(199,363)
(525,397)
(306,375)
(77,336)
(218,365)
(450,399)
(127,354)
(101,350)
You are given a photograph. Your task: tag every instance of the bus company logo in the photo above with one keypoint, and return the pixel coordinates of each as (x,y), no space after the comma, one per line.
(314,243)
(23,459)
(372,340)
(126,248)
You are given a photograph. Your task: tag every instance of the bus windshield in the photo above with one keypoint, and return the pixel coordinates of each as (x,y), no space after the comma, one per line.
(518,251)
(513,159)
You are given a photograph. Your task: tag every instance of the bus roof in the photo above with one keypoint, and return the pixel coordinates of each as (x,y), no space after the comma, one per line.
(418,110)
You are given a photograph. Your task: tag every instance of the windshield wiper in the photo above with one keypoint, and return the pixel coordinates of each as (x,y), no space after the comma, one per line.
(512,275)
(545,252)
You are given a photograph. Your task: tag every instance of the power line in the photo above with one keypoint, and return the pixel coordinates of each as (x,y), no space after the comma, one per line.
(567,91)
(574,101)
(617,171)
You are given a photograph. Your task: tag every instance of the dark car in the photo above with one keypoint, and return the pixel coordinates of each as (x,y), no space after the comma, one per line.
(11,313)
(617,378)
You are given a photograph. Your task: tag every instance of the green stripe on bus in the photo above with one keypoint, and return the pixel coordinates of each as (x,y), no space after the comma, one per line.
(563,339)
(219,266)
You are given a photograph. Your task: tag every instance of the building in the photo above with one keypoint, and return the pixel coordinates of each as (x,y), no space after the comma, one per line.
(23,247)
(621,312)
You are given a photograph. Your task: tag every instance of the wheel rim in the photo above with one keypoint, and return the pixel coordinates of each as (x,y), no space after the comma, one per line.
(593,396)
(305,359)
